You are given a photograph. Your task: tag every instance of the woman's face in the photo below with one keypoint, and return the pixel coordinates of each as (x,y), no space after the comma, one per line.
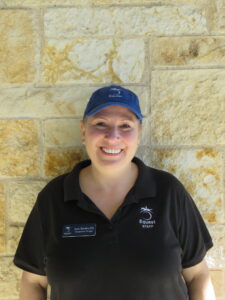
(111,136)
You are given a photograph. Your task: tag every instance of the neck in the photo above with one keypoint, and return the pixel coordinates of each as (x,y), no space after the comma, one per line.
(110,180)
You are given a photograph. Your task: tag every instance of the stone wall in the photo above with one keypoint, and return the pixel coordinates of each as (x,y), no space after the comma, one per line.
(54,53)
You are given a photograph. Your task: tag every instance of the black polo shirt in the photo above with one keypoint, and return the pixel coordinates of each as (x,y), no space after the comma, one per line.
(138,254)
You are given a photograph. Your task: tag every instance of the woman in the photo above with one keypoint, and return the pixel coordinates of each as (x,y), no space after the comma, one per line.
(114,228)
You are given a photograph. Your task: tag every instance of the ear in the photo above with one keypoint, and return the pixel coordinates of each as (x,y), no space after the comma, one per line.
(82,131)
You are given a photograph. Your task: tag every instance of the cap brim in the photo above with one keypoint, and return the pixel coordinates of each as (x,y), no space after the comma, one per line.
(100,107)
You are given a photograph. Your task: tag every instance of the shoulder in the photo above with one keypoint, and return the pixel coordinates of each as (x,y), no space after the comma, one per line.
(49,197)
(163,175)
(153,182)
(54,185)
(160,177)
(64,187)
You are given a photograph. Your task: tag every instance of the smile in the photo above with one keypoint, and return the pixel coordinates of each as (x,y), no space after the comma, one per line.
(111,151)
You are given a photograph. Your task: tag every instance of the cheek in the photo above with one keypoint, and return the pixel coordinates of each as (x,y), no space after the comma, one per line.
(131,137)
(92,135)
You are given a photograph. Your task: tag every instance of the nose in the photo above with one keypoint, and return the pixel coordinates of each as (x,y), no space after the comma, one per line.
(112,133)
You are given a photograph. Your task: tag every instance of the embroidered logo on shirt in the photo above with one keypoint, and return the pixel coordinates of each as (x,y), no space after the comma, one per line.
(146,217)
(78,230)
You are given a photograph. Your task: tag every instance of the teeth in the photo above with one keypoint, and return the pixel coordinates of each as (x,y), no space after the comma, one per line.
(111,151)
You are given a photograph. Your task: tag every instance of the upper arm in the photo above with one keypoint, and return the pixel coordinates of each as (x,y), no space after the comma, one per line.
(198,271)
(33,286)
(31,278)
(198,282)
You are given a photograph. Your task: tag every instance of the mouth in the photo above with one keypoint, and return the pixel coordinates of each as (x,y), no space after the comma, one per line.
(111,152)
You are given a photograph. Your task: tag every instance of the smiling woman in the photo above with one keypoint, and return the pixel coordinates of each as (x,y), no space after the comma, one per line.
(114,228)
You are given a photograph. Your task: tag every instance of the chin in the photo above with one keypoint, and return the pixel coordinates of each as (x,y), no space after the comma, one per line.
(113,162)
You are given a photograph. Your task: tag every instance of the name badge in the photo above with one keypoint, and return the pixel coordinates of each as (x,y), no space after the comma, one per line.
(79,230)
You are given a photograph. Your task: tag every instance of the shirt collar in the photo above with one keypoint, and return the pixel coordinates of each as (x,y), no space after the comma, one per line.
(144,187)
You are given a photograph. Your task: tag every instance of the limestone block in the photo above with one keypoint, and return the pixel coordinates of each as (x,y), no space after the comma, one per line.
(141,2)
(188,107)
(62,132)
(17,298)
(59,162)
(8,271)
(9,288)
(57,102)
(93,60)
(201,173)
(188,51)
(2,244)
(17,49)
(216,256)
(218,283)
(2,209)
(119,21)
(19,153)
(2,218)
(31,3)
(9,278)
(22,196)
(219,17)
(13,239)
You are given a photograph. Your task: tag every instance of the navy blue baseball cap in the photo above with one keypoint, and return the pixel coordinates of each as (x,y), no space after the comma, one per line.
(113,95)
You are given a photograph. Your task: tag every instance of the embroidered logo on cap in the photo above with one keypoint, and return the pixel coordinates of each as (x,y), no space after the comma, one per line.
(146,217)
(116,92)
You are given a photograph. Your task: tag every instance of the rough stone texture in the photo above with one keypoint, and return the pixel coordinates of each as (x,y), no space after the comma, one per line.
(17,298)
(62,132)
(2,218)
(57,102)
(13,240)
(2,243)
(31,3)
(218,283)
(22,196)
(188,51)
(9,278)
(29,102)
(12,286)
(2,210)
(59,162)
(19,153)
(92,60)
(201,173)
(219,17)
(216,256)
(188,107)
(72,22)
(141,2)
(17,48)
(8,271)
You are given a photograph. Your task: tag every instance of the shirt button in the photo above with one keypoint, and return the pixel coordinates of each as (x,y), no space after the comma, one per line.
(110,227)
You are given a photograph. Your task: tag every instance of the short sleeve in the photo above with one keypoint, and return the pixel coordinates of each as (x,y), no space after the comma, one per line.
(30,254)
(194,236)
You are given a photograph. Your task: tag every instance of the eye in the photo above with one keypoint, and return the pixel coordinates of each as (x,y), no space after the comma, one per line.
(125,126)
(100,124)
